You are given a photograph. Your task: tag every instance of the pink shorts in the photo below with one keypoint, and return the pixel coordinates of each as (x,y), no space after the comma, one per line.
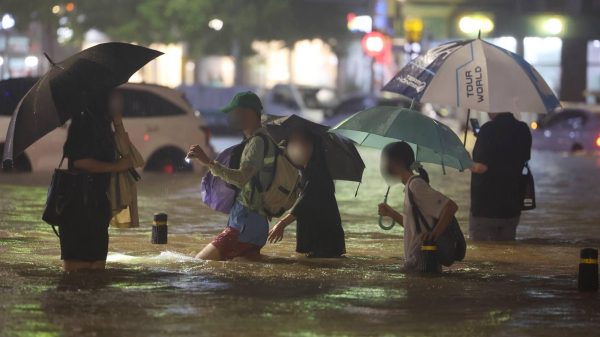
(228,245)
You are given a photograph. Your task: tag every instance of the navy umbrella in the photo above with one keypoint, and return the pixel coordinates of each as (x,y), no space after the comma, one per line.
(343,160)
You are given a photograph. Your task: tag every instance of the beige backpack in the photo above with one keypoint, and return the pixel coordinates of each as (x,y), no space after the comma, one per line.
(282,190)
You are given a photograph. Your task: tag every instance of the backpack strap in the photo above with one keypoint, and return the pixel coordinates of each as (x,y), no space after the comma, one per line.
(417,214)
(269,164)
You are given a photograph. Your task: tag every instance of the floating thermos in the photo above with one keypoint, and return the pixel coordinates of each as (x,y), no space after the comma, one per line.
(429,249)
(588,270)
(159,229)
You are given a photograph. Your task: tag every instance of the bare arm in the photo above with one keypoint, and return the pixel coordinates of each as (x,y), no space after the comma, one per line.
(445,218)
(286,220)
(97,166)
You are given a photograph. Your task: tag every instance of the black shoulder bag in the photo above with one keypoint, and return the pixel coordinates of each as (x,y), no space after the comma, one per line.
(451,244)
(67,186)
(527,189)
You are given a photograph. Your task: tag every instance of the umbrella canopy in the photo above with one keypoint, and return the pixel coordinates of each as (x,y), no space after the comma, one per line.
(432,141)
(343,160)
(477,75)
(56,96)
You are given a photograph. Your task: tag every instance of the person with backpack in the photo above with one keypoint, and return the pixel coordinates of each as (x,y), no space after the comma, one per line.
(397,164)
(248,224)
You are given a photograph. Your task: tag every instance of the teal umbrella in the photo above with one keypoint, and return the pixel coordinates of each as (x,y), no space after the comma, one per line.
(432,141)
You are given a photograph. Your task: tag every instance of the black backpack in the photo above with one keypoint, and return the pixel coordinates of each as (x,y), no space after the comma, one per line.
(451,245)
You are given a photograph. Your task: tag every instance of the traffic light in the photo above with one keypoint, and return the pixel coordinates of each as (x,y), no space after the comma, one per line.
(413,33)
(376,45)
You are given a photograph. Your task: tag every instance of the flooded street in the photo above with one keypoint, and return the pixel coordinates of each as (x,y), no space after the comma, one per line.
(525,288)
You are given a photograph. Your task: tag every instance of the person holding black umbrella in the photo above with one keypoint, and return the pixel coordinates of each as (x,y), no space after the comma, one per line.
(90,148)
(319,232)
(79,88)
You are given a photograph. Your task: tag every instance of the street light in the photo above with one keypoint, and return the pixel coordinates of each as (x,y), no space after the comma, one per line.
(7,22)
(216,24)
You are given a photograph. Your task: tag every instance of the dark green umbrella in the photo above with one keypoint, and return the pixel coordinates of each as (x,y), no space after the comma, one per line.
(59,94)
(343,160)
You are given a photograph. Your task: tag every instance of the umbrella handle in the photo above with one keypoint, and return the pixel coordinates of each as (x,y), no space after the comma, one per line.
(381,225)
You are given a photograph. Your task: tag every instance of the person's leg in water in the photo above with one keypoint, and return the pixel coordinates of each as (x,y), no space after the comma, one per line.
(74,265)
(209,253)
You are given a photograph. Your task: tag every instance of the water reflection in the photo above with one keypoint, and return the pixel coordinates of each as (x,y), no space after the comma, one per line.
(509,289)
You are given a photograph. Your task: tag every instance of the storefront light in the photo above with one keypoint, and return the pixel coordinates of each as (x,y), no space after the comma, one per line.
(7,21)
(1,61)
(553,26)
(31,61)
(472,24)
(359,23)
(64,34)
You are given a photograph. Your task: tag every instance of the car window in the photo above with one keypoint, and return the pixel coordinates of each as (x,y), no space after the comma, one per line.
(11,92)
(139,103)
(283,96)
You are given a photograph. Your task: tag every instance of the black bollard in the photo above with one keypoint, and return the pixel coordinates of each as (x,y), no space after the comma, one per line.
(588,270)
(160,229)
(429,249)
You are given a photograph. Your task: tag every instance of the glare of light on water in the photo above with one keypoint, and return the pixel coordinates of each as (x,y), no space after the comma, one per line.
(166,256)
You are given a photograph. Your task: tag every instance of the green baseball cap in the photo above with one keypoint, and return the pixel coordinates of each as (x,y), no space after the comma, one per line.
(246,99)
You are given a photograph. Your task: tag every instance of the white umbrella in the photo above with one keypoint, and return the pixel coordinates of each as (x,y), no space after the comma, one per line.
(477,75)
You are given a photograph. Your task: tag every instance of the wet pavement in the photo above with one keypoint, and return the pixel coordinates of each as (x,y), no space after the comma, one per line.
(525,288)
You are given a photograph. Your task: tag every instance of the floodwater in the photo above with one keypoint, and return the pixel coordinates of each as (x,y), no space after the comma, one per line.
(525,288)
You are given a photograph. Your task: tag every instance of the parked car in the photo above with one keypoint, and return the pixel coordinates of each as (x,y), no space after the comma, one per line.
(575,127)
(160,123)
(313,103)
(209,100)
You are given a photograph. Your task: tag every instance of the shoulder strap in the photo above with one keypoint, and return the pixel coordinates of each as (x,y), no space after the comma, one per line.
(62,160)
(417,215)
(256,183)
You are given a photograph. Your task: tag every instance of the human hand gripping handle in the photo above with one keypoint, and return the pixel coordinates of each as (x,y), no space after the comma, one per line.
(197,152)
(386,210)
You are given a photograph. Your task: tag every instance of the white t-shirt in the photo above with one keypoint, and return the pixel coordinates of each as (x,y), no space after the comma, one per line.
(430,203)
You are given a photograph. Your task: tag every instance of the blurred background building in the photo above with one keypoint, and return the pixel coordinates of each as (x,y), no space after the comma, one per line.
(351,46)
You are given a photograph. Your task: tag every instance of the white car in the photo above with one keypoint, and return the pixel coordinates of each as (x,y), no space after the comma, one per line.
(160,123)
(575,127)
(313,103)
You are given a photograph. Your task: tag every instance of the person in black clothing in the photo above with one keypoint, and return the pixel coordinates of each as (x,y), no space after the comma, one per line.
(501,151)
(319,231)
(90,147)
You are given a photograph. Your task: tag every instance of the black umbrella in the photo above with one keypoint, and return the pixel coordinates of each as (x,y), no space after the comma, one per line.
(58,95)
(343,160)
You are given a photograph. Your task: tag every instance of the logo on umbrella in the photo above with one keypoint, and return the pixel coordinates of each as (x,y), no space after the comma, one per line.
(412,82)
(474,83)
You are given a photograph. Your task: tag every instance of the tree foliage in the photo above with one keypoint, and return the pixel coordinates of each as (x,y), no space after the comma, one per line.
(147,21)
